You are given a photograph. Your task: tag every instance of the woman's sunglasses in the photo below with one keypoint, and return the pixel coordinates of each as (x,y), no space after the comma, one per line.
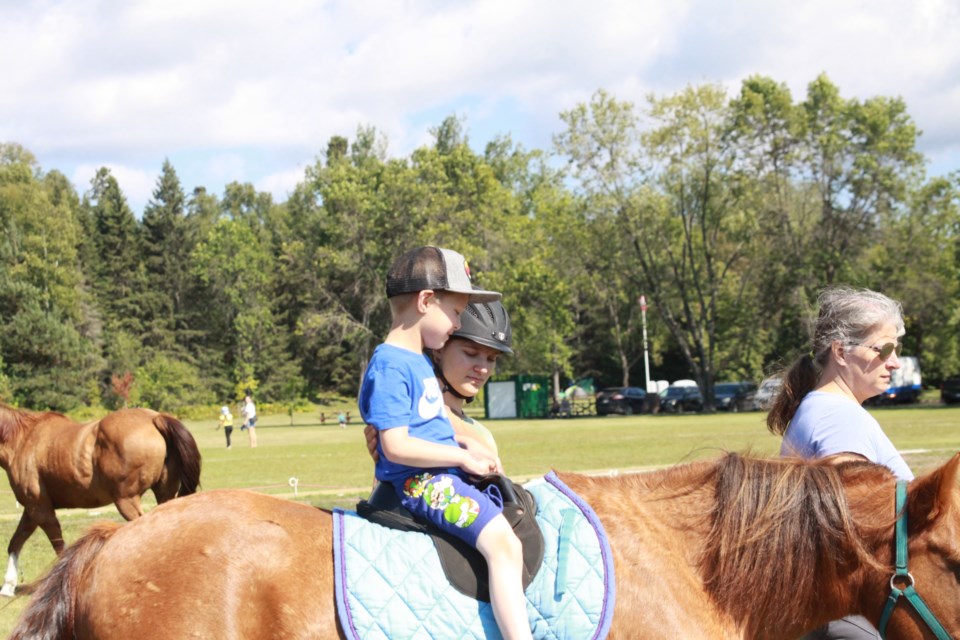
(884,351)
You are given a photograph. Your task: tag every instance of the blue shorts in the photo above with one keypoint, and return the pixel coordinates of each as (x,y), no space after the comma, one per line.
(451,503)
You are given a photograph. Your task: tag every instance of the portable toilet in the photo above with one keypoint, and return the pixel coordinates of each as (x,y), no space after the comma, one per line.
(519,396)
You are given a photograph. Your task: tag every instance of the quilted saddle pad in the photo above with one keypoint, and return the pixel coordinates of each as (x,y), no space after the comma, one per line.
(389,583)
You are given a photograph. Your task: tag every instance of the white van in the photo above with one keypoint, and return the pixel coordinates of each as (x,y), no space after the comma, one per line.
(905,383)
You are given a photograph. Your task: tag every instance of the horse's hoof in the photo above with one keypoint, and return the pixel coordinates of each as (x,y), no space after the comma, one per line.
(8,590)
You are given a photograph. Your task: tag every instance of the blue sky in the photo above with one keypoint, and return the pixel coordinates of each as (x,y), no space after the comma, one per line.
(251,91)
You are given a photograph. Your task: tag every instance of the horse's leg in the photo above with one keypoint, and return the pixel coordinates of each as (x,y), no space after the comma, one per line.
(46,519)
(129,507)
(25,529)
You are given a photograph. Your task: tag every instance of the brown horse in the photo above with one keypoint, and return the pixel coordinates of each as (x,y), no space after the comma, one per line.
(55,463)
(730,548)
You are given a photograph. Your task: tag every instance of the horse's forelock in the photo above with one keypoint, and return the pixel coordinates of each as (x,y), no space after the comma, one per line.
(782,530)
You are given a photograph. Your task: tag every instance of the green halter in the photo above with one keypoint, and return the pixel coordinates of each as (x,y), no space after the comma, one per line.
(903,575)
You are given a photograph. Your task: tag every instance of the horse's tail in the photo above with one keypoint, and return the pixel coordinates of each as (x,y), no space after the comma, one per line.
(50,614)
(182,447)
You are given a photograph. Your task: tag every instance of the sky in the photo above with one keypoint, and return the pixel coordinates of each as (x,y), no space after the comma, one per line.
(248,91)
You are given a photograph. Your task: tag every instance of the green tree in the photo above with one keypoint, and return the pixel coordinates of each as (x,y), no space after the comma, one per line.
(120,276)
(166,254)
(916,261)
(235,269)
(861,156)
(687,219)
(46,357)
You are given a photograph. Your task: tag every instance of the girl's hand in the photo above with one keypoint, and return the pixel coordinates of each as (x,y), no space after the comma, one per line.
(370,434)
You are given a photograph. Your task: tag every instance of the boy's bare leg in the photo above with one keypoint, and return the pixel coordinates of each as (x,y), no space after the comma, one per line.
(504,555)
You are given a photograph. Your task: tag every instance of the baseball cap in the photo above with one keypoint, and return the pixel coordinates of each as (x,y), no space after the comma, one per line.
(434,268)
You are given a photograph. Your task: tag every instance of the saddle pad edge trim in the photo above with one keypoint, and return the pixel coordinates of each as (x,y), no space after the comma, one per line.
(610,591)
(340,569)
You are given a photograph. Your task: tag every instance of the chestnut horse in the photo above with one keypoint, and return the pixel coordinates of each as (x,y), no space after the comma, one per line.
(55,463)
(736,547)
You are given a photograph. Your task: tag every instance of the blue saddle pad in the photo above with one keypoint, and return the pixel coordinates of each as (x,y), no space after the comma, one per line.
(389,583)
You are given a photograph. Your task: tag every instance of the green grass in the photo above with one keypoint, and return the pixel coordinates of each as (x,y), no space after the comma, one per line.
(333,469)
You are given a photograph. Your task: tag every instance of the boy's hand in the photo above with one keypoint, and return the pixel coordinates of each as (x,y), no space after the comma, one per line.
(479,449)
(480,465)
(370,433)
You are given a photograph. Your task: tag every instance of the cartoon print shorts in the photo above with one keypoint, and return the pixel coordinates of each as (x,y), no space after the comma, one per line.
(451,503)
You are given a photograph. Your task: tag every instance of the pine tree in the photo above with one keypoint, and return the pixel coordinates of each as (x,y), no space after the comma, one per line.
(119,272)
(166,253)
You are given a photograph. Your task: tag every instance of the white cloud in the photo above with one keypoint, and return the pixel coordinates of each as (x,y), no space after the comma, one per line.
(134,82)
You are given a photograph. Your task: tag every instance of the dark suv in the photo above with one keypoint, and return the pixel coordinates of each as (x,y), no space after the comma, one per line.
(734,396)
(625,400)
(950,390)
(680,399)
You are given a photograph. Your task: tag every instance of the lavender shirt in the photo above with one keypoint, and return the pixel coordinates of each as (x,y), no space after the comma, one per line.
(826,424)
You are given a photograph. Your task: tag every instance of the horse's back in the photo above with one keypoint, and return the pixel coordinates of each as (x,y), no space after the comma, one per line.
(215,564)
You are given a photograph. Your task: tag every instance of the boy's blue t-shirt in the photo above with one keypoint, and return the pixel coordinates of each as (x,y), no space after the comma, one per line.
(400,389)
(827,424)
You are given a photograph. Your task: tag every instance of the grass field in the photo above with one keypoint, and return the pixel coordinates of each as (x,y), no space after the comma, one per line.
(332,468)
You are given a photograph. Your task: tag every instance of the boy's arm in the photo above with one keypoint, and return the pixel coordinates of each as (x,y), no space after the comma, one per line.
(399,447)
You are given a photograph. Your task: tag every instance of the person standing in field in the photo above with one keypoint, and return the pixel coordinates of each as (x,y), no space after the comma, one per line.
(249,415)
(226,421)
(819,411)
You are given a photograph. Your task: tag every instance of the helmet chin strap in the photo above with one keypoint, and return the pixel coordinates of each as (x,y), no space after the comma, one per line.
(446,386)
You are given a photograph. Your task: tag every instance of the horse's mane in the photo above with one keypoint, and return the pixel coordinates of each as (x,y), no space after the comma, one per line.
(13,421)
(782,535)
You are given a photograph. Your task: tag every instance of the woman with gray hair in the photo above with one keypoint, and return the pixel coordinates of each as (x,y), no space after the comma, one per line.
(818,409)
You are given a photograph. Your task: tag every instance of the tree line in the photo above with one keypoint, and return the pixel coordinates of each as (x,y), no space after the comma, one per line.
(728,212)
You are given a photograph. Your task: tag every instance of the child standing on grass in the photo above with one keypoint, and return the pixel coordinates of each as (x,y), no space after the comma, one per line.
(429,468)
(226,421)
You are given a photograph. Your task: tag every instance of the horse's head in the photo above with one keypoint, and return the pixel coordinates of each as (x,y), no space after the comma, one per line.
(932,558)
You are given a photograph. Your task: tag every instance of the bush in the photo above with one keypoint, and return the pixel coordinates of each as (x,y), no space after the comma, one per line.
(165,384)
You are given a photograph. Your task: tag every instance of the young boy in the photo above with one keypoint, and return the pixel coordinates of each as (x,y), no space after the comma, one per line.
(400,396)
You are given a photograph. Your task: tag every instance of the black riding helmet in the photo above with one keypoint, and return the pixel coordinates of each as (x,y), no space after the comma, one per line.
(486,323)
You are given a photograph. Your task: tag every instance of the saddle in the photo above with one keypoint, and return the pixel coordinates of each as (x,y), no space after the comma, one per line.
(464,566)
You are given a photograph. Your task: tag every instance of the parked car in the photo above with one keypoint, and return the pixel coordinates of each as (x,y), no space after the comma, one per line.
(734,396)
(768,390)
(950,390)
(625,400)
(675,399)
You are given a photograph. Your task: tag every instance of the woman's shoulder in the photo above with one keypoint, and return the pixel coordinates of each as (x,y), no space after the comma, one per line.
(818,408)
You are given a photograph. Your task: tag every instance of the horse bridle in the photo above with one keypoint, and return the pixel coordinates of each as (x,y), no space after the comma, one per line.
(902,575)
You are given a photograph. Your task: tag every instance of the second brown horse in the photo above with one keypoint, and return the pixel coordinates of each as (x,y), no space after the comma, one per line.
(55,463)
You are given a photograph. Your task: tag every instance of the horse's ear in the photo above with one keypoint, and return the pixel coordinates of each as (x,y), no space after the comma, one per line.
(932,495)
